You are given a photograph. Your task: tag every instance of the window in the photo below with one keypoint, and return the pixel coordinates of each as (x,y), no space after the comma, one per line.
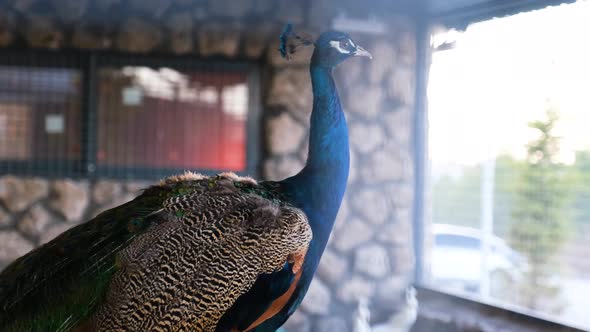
(120,116)
(39,114)
(171,119)
(509,163)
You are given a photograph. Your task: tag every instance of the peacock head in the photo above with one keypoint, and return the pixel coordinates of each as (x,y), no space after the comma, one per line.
(333,47)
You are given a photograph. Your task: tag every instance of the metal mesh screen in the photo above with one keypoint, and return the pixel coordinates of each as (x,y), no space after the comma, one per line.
(171,119)
(510,164)
(118,116)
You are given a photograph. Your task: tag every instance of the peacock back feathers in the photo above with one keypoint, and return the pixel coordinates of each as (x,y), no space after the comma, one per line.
(175,258)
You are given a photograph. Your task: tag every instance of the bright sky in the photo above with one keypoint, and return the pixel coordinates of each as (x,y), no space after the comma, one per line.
(503,74)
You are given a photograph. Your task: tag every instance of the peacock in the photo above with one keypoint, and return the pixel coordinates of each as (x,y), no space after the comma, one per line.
(195,252)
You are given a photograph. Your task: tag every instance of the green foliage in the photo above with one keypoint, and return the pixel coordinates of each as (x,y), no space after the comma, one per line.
(540,215)
(505,188)
(538,202)
(59,285)
(456,199)
(580,178)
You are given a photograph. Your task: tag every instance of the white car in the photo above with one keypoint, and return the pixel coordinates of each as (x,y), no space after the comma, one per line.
(457,259)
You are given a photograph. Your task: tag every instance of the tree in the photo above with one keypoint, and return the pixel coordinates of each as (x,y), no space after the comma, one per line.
(540,217)
(581,178)
(456,198)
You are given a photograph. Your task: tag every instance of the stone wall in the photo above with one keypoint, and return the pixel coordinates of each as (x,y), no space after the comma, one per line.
(34,210)
(370,252)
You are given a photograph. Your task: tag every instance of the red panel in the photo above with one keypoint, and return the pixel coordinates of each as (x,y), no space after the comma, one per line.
(193,131)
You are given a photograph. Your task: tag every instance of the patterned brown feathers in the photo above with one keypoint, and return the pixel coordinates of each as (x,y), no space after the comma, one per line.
(176,258)
(207,247)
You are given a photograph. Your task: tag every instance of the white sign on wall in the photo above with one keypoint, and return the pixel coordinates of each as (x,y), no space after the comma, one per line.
(54,124)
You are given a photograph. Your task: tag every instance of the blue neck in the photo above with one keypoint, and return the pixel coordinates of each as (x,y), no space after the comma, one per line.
(318,189)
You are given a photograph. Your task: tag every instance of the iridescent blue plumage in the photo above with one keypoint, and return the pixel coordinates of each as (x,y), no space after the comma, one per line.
(319,188)
(283,39)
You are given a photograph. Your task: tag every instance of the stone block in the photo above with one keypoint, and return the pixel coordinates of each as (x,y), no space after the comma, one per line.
(7,27)
(5,218)
(407,47)
(263,7)
(356,289)
(398,233)
(69,11)
(290,11)
(154,8)
(119,200)
(291,89)
(366,138)
(181,37)
(23,6)
(332,268)
(284,134)
(318,298)
(43,32)
(105,191)
(383,62)
(19,193)
(331,324)
(256,39)
(13,245)
(372,205)
(390,163)
(401,195)
(372,260)
(219,39)
(398,124)
(364,100)
(401,85)
(231,8)
(322,12)
(69,199)
(139,36)
(34,221)
(281,168)
(92,36)
(343,214)
(392,289)
(53,231)
(354,167)
(135,187)
(351,235)
(298,322)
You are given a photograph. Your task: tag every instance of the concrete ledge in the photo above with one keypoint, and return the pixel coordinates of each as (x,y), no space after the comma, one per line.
(443,312)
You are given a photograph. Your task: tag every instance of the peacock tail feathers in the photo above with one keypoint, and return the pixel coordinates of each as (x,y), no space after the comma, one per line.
(176,258)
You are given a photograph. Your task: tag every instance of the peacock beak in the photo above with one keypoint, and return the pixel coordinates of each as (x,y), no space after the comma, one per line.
(362,52)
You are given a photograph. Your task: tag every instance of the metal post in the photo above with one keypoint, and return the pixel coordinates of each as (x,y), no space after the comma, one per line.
(420,143)
(487,218)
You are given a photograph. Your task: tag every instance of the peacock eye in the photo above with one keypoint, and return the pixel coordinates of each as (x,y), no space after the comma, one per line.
(344,44)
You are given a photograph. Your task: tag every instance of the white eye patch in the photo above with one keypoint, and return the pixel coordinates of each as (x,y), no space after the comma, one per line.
(336,44)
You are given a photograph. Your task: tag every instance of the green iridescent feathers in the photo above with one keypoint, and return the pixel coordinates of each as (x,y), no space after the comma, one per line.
(61,283)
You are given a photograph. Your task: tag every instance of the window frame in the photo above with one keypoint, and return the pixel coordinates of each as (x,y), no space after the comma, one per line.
(89,64)
(458,18)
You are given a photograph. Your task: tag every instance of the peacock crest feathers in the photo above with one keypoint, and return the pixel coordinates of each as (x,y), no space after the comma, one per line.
(291,41)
